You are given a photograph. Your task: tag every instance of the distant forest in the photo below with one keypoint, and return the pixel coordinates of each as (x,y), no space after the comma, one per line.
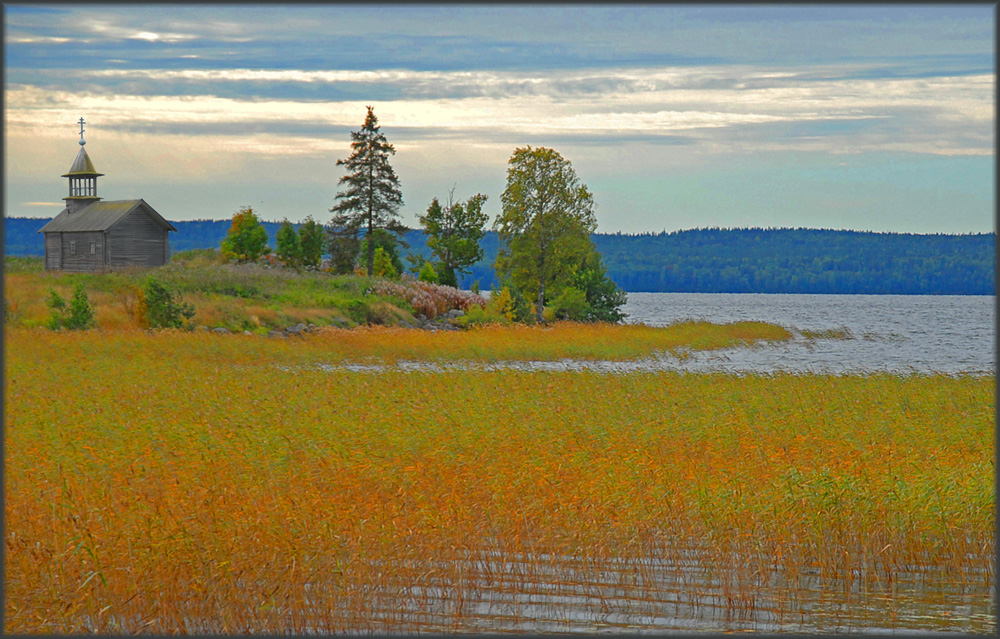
(709,260)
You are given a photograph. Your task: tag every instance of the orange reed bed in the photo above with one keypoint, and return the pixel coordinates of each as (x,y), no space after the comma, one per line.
(172,483)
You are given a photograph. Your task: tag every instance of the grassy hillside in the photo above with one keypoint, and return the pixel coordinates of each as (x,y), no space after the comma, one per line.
(236,297)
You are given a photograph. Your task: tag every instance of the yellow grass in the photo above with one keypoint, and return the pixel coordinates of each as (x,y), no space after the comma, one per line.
(183,482)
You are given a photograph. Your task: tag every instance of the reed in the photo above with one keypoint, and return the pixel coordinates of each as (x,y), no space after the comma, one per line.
(182,482)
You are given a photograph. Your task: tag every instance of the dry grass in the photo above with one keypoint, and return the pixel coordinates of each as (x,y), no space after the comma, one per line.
(181,483)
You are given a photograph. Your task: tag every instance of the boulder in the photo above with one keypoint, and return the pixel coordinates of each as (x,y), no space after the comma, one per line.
(221,330)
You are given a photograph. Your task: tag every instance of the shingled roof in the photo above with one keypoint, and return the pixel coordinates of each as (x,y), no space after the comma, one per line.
(99,216)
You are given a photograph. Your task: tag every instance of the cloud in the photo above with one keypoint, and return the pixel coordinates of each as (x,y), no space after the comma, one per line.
(703,105)
(216,94)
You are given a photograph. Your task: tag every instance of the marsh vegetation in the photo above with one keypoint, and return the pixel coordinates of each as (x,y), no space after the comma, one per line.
(177,482)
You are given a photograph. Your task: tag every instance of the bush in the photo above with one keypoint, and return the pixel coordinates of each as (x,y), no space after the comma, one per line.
(510,303)
(428,274)
(198,257)
(571,304)
(78,314)
(429,299)
(161,310)
(383,264)
(478,315)
(604,298)
(11,311)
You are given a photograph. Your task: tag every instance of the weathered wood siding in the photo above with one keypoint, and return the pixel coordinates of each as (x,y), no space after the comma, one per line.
(138,240)
(83,261)
(53,251)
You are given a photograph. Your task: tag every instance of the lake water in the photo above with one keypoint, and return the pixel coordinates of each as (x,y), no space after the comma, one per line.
(952,334)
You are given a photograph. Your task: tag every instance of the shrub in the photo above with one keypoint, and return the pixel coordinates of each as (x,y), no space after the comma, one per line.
(510,303)
(161,309)
(198,257)
(478,315)
(429,299)
(570,304)
(383,264)
(11,311)
(132,301)
(76,315)
(428,274)
(604,298)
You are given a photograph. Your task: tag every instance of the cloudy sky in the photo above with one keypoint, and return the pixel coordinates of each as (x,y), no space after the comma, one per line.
(847,117)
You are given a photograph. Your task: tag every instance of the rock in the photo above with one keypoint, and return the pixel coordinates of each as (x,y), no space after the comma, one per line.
(247,333)
(294,330)
(276,334)
(457,313)
(202,329)
(220,330)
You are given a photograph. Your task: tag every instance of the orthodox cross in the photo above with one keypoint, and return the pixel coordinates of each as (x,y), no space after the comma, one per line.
(82,142)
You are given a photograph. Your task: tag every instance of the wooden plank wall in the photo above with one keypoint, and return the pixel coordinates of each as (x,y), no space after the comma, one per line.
(84,261)
(137,240)
(53,251)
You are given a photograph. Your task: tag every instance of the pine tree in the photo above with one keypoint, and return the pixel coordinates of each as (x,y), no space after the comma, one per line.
(371,197)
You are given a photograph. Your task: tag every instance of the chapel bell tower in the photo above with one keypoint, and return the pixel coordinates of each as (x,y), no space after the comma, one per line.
(82,179)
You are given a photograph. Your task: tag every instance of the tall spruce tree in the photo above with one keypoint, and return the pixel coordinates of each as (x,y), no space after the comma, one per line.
(371,196)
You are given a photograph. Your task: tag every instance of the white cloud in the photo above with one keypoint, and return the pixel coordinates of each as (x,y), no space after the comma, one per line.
(942,115)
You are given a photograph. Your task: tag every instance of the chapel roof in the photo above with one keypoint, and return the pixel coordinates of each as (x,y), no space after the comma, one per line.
(100,216)
(82,166)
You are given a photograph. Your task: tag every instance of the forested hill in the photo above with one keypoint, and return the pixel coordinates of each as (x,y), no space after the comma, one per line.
(801,261)
(712,260)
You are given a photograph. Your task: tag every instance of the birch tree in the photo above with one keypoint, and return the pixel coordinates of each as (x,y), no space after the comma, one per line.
(545,224)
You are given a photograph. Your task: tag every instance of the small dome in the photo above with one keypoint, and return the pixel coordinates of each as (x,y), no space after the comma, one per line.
(82,165)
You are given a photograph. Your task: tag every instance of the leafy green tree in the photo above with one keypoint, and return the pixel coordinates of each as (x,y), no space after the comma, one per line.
(428,274)
(289,248)
(247,238)
(545,224)
(162,309)
(603,297)
(311,238)
(389,244)
(383,264)
(371,197)
(76,315)
(344,248)
(453,235)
